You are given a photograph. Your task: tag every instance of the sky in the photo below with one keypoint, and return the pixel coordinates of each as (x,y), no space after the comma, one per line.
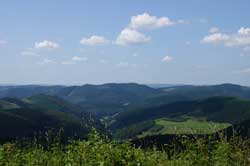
(143,41)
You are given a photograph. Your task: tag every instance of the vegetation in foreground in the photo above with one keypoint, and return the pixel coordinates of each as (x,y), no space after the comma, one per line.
(99,151)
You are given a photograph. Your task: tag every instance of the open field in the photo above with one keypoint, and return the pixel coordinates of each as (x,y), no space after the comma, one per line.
(191,126)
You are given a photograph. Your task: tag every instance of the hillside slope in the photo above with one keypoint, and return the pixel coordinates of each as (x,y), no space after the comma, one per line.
(108,99)
(215,113)
(24,118)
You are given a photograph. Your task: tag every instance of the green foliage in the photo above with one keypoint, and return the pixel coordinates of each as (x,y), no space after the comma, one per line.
(96,151)
(99,151)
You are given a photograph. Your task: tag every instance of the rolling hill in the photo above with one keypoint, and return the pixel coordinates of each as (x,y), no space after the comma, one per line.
(128,110)
(183,117)
(109,99)
(103,99)
(24,118)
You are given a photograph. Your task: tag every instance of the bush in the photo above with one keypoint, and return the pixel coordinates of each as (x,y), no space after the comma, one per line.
(99,151)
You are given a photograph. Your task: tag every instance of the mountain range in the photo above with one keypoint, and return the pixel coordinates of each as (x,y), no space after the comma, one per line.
(127,110)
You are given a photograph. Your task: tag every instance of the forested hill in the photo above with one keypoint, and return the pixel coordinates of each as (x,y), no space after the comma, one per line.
(21,118)
(108,99)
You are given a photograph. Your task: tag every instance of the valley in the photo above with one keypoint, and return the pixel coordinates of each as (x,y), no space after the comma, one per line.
(126,111)
(120,119)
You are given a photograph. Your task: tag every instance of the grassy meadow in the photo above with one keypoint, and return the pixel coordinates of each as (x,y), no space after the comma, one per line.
(164,126)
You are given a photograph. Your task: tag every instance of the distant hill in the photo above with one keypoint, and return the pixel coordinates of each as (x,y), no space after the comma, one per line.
(129,107)
(101,99)
(211,111)
(24,91)
(24,118)
(198,92)
(47,102)
(109,99)
(157,86)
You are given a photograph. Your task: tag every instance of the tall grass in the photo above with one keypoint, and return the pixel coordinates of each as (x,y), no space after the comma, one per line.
(100,151)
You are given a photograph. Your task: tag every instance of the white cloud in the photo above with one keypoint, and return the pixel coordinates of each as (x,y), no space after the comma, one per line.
(46,44)
(126,64)
(214,30)
(132,33)
(68,63)
(74,60)
(244,31)
(246,49)
(29,53)
(77,58)
(94,40)
(167,59)
(244,54)
(244,71)
(203,21)
(146,21)
(46,61)
(103,61)
(183,21)
(215,38)
(3,42)
(241,38)
(188,43)
(135,54)
(123,64)
(131,36)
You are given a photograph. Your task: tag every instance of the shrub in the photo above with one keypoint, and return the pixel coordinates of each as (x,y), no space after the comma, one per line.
(100,151)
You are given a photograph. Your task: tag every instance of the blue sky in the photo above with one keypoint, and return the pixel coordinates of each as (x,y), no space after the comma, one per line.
(143,41)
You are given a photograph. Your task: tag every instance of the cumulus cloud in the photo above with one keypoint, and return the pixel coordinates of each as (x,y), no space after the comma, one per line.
(167,59)
(47,44)
(131,36)
(241,38)
(94,40)
(214,30)
(146,21)
(216,38)
(244,31)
